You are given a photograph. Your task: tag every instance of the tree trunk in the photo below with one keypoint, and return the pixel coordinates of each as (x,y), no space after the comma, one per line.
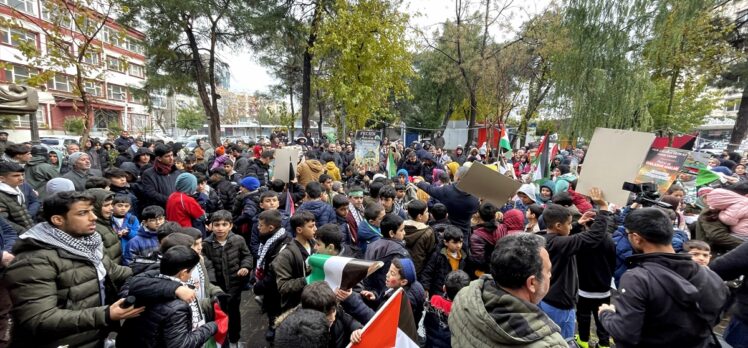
(448,114)
(319,109)
(522,131)
(471,121)
(740,130)
(214,130)
(293,112)
(306,74)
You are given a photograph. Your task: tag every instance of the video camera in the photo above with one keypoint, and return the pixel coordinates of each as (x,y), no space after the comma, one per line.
(646,194)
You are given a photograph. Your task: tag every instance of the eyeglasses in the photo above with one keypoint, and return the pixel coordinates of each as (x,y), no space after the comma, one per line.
(158,219)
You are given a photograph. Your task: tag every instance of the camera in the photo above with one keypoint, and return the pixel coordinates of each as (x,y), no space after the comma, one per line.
(646,194)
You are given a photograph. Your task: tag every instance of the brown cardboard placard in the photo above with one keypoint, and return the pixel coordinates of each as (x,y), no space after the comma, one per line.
(614,157)
(483,182)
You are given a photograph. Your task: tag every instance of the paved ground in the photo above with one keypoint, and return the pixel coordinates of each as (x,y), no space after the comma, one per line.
(254,323)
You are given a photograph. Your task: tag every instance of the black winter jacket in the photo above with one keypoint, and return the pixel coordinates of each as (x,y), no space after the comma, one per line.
(383,250)
(227,192)
(260,171)
(596,265)
(227,260)
(156,188)
(731,266)
(435,273)
(460,205)
(665,300)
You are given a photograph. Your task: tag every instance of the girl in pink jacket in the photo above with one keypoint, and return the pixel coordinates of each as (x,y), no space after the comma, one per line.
(734,210)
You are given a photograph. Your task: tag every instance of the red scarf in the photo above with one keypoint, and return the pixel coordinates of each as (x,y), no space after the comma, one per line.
(163,169)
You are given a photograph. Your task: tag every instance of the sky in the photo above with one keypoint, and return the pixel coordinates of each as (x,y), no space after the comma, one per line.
(247,75)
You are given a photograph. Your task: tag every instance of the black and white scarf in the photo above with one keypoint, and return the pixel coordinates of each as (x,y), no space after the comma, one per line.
(264,247)
(197,318)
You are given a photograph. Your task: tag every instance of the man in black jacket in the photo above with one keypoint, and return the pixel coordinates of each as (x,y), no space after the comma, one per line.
(665,299)
(159,181)
(260,167)
(730,267)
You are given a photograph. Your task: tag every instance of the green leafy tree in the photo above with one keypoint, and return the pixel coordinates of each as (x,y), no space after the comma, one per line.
(190,119)
(61,54)
(369,60)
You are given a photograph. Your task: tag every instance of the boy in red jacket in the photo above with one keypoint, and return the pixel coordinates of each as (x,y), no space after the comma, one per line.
(181,207)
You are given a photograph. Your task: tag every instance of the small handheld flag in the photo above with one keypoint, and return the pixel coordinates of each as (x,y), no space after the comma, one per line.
(340,272)
(392,326)
(222,320)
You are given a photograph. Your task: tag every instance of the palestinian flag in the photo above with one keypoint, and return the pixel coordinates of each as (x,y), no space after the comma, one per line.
(391,166)
(222,320)
(541,161)
(392,326)
(504,140)
(339,272)
(706,177)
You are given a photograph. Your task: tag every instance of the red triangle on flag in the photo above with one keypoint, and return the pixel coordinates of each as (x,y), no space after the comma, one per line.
(385,329)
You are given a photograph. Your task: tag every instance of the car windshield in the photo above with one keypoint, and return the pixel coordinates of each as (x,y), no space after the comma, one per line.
(49,141)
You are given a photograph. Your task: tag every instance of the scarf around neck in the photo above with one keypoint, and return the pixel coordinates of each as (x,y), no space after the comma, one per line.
(264,247)
(163,169)
(197,319)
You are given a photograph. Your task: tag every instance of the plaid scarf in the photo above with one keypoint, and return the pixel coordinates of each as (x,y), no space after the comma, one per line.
(260,270)
(197,318)
(163,169)
(89,247)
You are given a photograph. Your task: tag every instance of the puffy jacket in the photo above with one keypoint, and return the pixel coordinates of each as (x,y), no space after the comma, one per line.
(56,296)
(183,209)
(624,249)
(38,171)
(309,170)
(460,205)
(130,226)
(485,316)
(227,192)
(716,234)
(482,243)
(227,260)
(413,168)
(580,201)
(15,213)
(290,270)
(112,245)
(660,295)
(8,237)
(436,323)
(333,171)
(730,267)
(156,188)
(164,324)
(383,250)
(420,242)
(733,210)
(141,246)
(323,212)
(259,170)
(563,181)
(434,275)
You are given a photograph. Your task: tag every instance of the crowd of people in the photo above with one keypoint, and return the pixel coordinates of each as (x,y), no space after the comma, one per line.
(157,243)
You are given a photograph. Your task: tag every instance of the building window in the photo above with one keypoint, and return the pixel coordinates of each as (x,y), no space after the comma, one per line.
(14,37)
(103,119)
(18,73)
(115,92)
(25,6)
(158,101)
(135,46)
(57,46)
(22,121)
(114,37)
(92,57)
(136,70)
(134,98)
(115,64)
(52,14)
(93,88)
(60,83)
(732,105)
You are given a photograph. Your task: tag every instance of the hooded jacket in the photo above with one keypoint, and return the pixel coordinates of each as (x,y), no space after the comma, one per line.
(485,316)
(383,250)
(156,188)
(514,220)
(731,266)
(259,170)
(142,245)
(309,170)
(562,183)
(112,245)
(38,171)
(460,205)
(660,295)
(420,242)
(549,185)
(333,171)
(734,210)
(323,212)
(14,212)
(56,295)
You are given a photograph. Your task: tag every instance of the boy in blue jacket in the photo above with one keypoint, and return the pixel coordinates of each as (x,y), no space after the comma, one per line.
(146,241)
(323,212)
(368,229)
(124,222)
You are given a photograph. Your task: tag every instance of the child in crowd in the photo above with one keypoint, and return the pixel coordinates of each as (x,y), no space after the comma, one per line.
(181,207)
(234,177)
(149,262)
(268,201)
(272,237)
(483,240)
(448,259)
(172,323)
(323,212)
(205,195)
(124,223)
(245,210)
(219,181)
(304,328)
(368,229)
(419,237)
(146,240)
(290,266)
(387,196)
(327,192)
(699,251)
(385,249)
(340,204)
(119,185)
(436,319)
(534,211)
(343,328)
(400,274)
(439,221)
(231,263)
(103,210)
(733,210)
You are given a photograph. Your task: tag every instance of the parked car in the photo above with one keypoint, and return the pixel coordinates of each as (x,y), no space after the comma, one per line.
(59,142)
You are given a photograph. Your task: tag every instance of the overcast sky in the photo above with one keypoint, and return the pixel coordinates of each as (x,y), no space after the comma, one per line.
(249,76)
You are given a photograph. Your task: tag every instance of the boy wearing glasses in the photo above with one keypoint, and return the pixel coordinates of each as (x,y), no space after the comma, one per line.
(146,241)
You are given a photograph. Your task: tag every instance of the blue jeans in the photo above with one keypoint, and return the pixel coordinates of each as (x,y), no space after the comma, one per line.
(564,318)
(736,333)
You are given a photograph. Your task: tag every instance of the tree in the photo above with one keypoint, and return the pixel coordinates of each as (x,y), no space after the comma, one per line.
(436,91)
(72,45)
(182,38)
(736,77)
(369,60)
(190,119)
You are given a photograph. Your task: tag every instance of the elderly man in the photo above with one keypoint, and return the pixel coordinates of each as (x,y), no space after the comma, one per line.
(501,309)
(159,181)
(80,170)
(69,150)
(62,285)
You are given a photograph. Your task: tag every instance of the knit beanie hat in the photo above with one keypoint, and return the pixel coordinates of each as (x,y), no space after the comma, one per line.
(250,183)
(409,269)
(75,156)
(59,185)
(186,183)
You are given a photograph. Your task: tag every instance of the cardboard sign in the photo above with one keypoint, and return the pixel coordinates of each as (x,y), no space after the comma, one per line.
(614,157)
(661,167)
(367,149)
(483,182)
(283,159)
